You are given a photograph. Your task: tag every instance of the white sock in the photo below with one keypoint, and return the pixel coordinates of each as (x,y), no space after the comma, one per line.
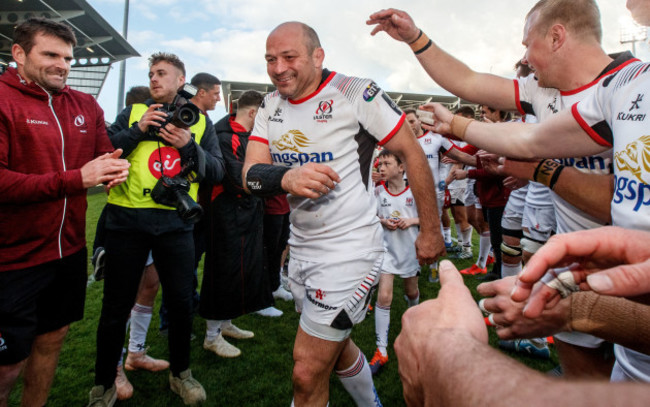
(466,237)
(459,234)
(357,380)
(140,320)
(213,328)
(483,249)
(413,302)
(508,270)
(382,324)
(446,233)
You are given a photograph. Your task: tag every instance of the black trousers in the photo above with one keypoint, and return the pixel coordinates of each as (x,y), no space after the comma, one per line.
(493,217)
(276,235)
(126,253)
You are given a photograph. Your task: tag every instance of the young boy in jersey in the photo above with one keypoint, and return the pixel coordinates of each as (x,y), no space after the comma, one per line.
(398,215)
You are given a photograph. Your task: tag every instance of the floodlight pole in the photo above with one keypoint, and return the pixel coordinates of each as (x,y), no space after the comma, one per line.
(120,89)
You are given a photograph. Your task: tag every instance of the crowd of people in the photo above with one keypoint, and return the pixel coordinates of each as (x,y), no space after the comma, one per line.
(328,163)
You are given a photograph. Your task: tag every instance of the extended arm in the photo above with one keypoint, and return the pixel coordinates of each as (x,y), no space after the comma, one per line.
(444,69)
(429,244)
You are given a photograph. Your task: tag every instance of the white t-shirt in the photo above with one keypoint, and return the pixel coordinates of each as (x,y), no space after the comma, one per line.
(544,102)
(616,116)
(400,243)
(338,125)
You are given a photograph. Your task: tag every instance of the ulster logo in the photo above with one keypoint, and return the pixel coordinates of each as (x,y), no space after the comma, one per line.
(636,159)
(324,111)
(79,120)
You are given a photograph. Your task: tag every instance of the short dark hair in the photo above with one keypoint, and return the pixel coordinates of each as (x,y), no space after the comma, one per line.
(137,94)
(410,110)
(204,80)
(466,111)
(250,98)
(25,32)
(388,153)
(503,115)
(169,58)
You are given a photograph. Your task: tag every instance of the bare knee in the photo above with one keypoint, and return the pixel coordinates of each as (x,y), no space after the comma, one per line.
(304,377)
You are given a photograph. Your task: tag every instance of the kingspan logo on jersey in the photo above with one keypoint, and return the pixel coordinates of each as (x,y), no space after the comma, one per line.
(323,112)
(635,159)
(293,142)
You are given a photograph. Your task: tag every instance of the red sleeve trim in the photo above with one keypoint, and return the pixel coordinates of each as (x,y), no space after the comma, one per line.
(394,131)
(517,97)
(594,136)
(258,139)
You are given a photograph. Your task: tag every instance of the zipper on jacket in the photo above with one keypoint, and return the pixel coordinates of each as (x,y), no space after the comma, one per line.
(65,197)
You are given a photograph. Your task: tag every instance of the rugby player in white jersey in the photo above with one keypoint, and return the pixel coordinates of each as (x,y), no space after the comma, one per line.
(613,116)
(562,40)
(314,139)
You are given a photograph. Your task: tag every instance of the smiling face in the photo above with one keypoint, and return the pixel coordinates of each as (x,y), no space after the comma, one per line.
(538,50)
(293,69)
(48,62)
(164,81)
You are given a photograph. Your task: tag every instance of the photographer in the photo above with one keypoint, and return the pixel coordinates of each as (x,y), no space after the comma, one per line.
(141,217)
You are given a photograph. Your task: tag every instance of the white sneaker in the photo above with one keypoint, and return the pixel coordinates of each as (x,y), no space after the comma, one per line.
(234,332)
(269,312)
(222,348)
(282,294)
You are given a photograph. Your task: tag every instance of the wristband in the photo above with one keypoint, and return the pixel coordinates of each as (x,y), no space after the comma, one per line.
(421,44)
(418,37)
(459,126)
(547,172)
(265,180)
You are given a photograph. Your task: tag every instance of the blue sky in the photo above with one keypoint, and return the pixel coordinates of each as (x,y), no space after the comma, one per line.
(227,37)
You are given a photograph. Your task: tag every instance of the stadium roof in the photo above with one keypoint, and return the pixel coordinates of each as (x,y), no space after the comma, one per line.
(98,44)
(232,91)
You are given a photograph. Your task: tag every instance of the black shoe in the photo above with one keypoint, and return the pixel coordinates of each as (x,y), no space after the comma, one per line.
(488,277)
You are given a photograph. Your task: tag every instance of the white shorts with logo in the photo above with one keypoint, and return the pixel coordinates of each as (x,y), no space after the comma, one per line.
(538,223)
(333,296)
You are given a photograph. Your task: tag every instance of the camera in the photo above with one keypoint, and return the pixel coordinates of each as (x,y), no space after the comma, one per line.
(173,191)
(181,112)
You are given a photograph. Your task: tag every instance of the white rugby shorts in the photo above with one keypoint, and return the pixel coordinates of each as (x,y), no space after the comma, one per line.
(333,296)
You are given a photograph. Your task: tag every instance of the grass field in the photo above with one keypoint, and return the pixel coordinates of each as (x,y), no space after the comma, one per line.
(261,376)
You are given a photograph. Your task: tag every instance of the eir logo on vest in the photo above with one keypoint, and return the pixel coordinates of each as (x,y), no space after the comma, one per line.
(171,162)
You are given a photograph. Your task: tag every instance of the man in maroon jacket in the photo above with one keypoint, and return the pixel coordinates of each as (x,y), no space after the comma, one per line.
(53,146)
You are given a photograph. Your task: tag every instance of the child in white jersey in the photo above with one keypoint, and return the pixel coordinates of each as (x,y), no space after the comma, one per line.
(398,214)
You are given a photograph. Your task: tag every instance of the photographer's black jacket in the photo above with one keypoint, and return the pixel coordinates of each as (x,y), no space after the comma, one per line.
(158,221)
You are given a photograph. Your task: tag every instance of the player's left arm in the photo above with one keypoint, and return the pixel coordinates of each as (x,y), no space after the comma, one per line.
(429,244)
(524,140)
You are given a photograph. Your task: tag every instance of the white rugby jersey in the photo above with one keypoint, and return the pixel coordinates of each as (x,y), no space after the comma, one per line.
(433,144)
(400,257)
(457,183)
(338,125)
(616,117)
(544,102)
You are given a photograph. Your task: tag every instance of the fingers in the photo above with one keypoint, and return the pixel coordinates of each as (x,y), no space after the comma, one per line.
(449,274)
(629,280)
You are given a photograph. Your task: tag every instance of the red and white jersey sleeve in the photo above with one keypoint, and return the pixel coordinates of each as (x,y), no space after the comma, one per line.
(338,125)
(616,115)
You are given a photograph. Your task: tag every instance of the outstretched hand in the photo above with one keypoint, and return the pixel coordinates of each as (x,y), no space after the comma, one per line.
(396,23)
(608,260)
